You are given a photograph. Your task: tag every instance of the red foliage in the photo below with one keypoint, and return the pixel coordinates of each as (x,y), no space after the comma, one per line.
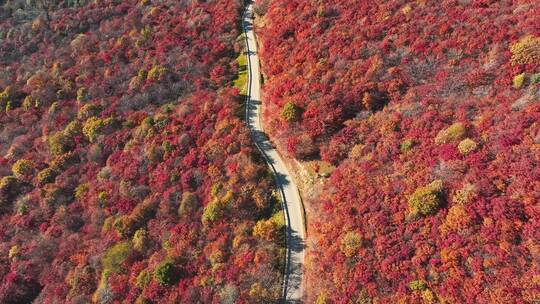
(378,81)
(156,77)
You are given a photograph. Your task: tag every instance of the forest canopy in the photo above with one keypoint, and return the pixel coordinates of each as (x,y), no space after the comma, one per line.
(430,112)
(126,173)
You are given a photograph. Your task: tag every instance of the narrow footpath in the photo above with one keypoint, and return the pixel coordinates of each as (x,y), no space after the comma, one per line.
(292,202)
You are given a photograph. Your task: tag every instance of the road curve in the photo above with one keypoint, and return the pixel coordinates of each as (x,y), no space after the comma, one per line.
(292,203)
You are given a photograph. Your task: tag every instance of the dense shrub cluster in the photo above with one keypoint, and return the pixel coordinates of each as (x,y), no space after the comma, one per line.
(398,94)
(22,167)
(116,119)
(290,112)
(425,200)
(166,273)
(526,50)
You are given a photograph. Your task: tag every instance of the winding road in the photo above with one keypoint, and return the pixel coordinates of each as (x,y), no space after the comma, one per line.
(290,197)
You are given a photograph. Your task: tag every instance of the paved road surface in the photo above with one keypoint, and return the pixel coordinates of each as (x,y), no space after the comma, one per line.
(292,288)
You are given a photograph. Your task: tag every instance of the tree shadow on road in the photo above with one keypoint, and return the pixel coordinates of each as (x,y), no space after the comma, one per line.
(293,277)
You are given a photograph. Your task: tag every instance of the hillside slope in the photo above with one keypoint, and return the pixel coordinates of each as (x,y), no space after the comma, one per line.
(126,173)
(431,112)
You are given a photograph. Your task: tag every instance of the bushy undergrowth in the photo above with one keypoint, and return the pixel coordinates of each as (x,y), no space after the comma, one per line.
(398,94)
(116,118)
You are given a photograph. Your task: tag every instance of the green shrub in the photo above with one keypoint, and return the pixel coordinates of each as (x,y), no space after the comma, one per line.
(279,219)
(88,110)
(9,105)
(216,259)
(146,33)
(5,94)
(73,129)
(82,94)
(417,285)
(167,108)
(426,200)
(465,194)
(265,230)
(242,77)
(518,81)
(142,74)
(102,199)
(9,185)
(107,224)
(213,211)
(116,256)
(217,207)
(119,225)
(29,102)
(215,189)
(166,273)
(140,240)
(125,226)
(161,120)
(290,112)
(5,97)
(406,146)
(174,177)
(102,294)
(81,190)
(94,127)
(59,143)
(535,78)
(167,146)
(148,121)
(143,279)
(526,50)
(157,72)
(46,176)
(22,167)
(455,132)
(467,146)
(350,243)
